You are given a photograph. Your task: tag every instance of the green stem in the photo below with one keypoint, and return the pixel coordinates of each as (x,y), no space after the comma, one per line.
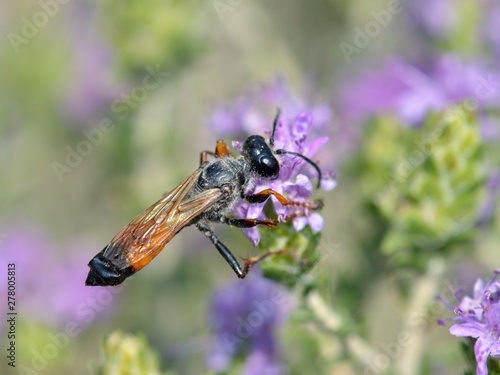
(424,290)
(360,350)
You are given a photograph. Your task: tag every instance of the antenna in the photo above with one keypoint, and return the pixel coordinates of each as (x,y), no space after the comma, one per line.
(281,152)
(275,123)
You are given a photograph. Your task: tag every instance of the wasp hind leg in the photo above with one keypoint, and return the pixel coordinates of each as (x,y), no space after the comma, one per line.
(241,272)
(223,250)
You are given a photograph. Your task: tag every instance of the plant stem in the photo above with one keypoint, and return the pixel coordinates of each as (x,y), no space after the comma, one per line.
(424,290)
(360,350)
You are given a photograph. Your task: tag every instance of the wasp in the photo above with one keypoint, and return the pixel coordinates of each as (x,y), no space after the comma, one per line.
(205,197)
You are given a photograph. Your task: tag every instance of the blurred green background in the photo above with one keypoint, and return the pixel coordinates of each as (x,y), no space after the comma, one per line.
(78,72)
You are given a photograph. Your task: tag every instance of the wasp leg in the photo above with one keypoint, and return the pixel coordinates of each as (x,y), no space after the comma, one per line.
(223,250)
(247,223)
(251,261)
(204,156)
(262,196)
(221,151)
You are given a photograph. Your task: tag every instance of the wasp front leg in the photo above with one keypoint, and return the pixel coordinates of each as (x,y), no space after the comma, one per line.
(262,196)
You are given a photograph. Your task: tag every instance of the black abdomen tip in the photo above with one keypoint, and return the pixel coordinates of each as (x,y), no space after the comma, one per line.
(94,280)
(104,273)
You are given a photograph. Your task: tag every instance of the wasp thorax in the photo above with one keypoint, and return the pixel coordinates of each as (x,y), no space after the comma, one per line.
(260,156)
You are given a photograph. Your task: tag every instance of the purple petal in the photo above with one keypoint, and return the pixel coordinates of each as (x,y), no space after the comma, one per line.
(328,183)
(315,222)
(253,235)
(260,362)
(301,188)
(237,145)
(478,288)
(495,349)
(299,223)
(219,358)
(481,351)
(244,318)
(312,147)
(467,330)
(255,210)
(282,134)
(492,316)
(280,210)
(301,125)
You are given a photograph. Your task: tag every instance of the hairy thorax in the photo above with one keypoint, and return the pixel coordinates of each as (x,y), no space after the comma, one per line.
(230,175)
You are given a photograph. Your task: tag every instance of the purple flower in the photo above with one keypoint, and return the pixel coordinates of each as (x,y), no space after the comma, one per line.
(410,92)
(479,317)
(298,130)
(249,114)
(244,319)
(50,287)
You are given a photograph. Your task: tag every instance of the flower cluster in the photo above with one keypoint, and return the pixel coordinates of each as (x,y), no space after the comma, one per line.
(448,84)
(411,91)
(479,317)
(297,131)
(244,318)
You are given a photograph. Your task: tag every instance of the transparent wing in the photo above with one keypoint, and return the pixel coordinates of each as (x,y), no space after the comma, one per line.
(145,236)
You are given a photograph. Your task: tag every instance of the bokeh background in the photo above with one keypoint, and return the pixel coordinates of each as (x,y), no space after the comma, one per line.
(106,105)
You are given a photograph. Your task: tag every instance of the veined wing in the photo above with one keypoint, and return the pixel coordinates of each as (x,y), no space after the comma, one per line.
(145,236)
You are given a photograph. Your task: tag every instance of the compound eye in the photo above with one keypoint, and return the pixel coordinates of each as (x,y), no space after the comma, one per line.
(268,166)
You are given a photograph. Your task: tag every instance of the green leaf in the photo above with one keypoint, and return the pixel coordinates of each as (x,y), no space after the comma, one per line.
(297,253)
(433,182)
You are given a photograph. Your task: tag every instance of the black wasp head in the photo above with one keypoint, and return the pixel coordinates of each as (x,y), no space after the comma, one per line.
(261,157)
